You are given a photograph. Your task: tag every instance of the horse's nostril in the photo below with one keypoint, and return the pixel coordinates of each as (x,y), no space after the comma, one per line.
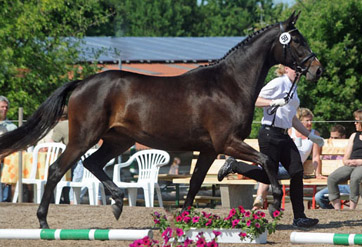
(319,71)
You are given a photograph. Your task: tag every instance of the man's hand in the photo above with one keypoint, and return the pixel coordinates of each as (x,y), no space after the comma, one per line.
(278,102)
(316,139)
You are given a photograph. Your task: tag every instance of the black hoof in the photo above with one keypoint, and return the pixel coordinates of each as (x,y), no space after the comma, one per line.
(117,210)
(44,225)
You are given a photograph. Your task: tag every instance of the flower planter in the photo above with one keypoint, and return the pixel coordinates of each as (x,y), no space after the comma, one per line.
(226,236)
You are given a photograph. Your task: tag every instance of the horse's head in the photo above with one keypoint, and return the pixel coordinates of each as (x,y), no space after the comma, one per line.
(292,50)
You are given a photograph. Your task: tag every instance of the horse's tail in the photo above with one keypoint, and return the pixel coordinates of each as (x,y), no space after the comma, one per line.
(39,124)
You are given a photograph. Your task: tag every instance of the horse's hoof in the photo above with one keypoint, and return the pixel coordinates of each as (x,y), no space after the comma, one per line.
(44,225)
(117,210)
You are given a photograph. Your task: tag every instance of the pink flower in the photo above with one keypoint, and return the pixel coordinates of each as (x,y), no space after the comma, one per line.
(179,232)
(187,242)
(261,214)
(137,243)
(205,214)
(209,222)
(201,242)
(167,234)
(255,217)
(235,222)
(232,212)
(212,244)
(217,233)
(178,218)
(186,219)
(247,213)
(157,214)
(195,219)
(157,221)
(243,234)
(257,225)
(248,223)
(146,241)
(276,213)
(184,213)
(241,209)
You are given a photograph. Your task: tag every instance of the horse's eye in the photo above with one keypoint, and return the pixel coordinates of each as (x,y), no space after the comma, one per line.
(296,40)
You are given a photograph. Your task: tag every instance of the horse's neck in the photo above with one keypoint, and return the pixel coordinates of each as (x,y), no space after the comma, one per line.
(252,62)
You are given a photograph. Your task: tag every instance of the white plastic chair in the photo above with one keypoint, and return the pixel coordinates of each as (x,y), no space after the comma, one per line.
(89,181)
(53,151)
(149,163)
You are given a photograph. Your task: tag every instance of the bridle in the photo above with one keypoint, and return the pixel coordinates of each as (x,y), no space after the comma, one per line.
(297,66)
(284,39)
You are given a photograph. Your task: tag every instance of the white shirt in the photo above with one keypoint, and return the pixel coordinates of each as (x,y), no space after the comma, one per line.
(278,88)
(306,148)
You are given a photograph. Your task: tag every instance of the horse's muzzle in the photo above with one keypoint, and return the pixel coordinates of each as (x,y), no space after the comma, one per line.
(315,71)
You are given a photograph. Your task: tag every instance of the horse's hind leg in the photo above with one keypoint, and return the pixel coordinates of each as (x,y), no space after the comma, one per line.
(98,160)
(202,166)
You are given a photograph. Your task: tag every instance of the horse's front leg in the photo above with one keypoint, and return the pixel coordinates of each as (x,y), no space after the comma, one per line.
(277,191)
(202,166)
(241,150)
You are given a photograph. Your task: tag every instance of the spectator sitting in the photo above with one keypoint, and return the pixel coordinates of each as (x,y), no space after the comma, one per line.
(174,166)
(337,132)
(352,168)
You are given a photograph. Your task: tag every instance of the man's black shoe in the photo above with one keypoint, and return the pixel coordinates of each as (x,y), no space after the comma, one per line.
(225,169)
(305,222)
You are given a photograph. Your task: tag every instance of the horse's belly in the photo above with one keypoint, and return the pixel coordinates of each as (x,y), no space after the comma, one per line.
(174,141)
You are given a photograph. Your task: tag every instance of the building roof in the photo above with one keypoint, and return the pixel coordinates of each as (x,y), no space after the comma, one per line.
(157,49)
(157,69)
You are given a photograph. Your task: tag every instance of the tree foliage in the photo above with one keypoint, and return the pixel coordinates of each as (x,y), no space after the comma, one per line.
(334,31)
(186,18)
(35,56)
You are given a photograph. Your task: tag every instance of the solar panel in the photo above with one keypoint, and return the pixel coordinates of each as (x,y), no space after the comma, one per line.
(156,49)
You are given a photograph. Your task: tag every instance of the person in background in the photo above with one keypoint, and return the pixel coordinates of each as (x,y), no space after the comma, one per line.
(275,142)
(174,166)
(60,131)
(352,169)
(305,147)
(5,126)
(337,132)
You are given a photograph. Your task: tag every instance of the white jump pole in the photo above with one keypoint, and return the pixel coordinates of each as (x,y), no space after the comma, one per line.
(75,234)
(325,238)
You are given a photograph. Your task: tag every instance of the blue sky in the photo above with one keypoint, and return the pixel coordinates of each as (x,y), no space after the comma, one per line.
(289,2)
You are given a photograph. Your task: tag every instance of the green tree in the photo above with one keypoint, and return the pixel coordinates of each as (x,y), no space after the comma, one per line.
(186,18)
(333,29)
(36,58)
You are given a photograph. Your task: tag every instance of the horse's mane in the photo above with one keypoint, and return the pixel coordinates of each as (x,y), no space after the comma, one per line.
(241,43)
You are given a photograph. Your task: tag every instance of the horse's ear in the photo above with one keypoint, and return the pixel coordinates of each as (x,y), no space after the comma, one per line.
(292,19)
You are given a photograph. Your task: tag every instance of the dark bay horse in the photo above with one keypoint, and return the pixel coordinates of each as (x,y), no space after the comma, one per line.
(209,109)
